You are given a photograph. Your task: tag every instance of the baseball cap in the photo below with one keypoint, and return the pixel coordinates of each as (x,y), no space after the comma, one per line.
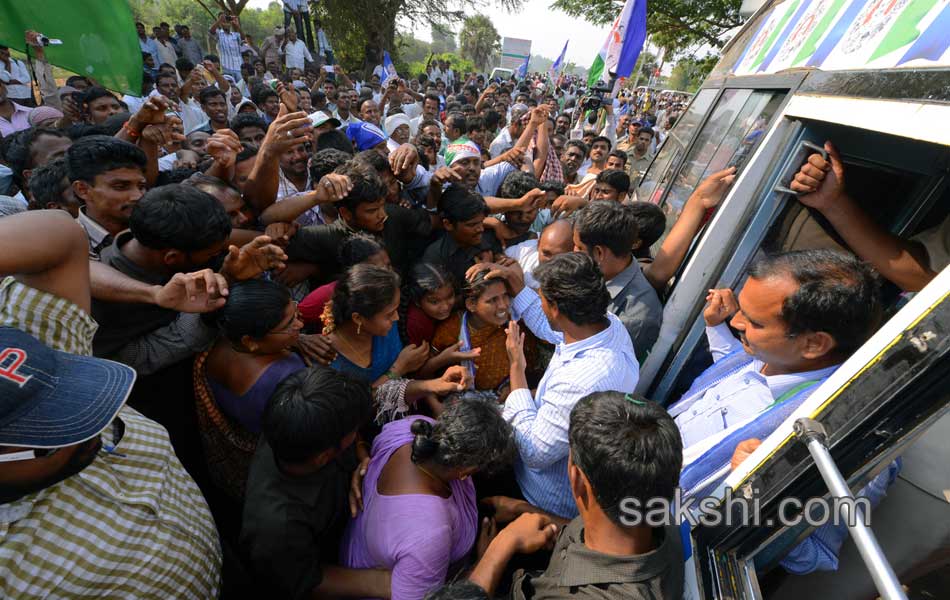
(365,135)
(51,399)
(319,117)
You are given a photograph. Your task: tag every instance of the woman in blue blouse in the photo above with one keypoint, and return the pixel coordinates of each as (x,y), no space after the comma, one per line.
(361,320)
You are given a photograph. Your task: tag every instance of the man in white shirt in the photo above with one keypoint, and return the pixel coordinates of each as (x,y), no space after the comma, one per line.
(296,54)
(229,44)
(17,79)
(166,49)
(556,238)
(430,110)
(593,354)
(509,135)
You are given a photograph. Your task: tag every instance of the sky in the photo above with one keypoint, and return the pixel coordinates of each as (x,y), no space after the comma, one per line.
(547,29)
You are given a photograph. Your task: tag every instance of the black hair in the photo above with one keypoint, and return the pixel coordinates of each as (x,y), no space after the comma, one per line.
(474,123)
(47,184)
(458,590)
(262,93)
(618,154)
(434,97)
(601,138)
(651,222)
(363,289)
(456,120)
(574,282)
(247,151)
(553,186)
(468,108)
(616,179)
(326,161)
(210,92)
(317,96)
(206,183)
(459,204)
(358,248)
(94,93)
(94,155)
(516,184)
(19,154)
(179,216)
(176,175)
(313,410)
(243,120)
(367,186)
(166,75)
(212,57)
(336,140)
(837,293)
(420,145)
(375,160)
(627,447)
(608,224)
(427,122)
(470,433)
(579,144)
(183,64)
(492,119)
(253,308)
(477,285)
(645,129)
(114,124)
(74,78)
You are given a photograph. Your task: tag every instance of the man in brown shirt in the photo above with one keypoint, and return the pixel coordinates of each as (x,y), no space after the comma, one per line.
(624,451)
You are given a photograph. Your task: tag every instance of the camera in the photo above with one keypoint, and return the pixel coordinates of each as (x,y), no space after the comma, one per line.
(596,98)
(45,41)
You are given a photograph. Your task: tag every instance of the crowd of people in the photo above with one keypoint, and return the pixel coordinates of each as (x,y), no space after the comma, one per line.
(272,325)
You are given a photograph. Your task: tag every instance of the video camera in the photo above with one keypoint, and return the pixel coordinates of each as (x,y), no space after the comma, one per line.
(596,97)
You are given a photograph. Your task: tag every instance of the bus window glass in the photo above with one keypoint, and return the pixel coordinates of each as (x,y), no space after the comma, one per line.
(675,144)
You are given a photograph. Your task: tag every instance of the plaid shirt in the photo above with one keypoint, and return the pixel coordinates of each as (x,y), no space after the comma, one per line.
(132,524)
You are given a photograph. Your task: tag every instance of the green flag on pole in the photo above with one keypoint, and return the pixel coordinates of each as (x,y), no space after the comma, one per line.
(98,38)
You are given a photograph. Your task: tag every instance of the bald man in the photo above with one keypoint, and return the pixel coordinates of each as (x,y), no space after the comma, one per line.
(556,238)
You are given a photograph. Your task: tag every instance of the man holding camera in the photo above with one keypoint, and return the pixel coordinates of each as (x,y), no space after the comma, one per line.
(229,44)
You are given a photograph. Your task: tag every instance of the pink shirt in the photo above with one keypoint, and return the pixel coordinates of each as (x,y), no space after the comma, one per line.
(18,121)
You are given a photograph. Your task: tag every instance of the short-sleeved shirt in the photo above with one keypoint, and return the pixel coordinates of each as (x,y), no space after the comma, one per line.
(292,524)
(576,572)
(491,178)
(936,240)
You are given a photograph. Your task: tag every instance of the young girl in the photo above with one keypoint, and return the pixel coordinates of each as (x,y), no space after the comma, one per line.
(431,298)
(481,325)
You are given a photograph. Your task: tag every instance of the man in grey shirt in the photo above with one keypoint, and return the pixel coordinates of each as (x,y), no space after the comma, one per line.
(607,231)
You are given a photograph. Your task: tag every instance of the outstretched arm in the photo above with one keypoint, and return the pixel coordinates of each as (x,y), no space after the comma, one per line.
(904,262)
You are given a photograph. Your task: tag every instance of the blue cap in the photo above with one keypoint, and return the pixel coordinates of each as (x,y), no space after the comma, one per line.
(51,399)
(365,135)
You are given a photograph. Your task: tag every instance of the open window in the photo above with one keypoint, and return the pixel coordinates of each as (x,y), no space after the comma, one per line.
(903,183)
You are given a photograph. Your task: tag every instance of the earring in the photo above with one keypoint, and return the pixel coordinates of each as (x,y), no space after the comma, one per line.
(359,328)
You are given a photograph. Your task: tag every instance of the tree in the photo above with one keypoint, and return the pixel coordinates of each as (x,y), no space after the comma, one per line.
(259,23)
(688,73)
(479,40)
(361,30)
(673,24)
(443,39)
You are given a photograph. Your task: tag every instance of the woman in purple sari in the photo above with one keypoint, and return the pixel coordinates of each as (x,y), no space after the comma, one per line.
(419,512)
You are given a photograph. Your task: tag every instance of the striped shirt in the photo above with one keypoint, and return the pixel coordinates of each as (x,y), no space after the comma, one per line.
(56,322)
(603,362)
(132,524)
(229,50)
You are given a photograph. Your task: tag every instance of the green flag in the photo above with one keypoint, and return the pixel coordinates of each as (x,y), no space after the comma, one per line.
(98,38)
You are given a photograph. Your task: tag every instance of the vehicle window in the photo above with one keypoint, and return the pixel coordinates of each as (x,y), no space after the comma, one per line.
(675,144)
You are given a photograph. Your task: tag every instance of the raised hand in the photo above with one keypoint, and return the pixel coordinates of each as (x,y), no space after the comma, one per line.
(288,130)
(720,305)
(411,358)
(712,189)
(333,187)
(821,181)
(224,146)
(198,292)
(514,345)
(252,259)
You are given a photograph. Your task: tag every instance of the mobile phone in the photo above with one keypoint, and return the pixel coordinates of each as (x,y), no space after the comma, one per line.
(328,68)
